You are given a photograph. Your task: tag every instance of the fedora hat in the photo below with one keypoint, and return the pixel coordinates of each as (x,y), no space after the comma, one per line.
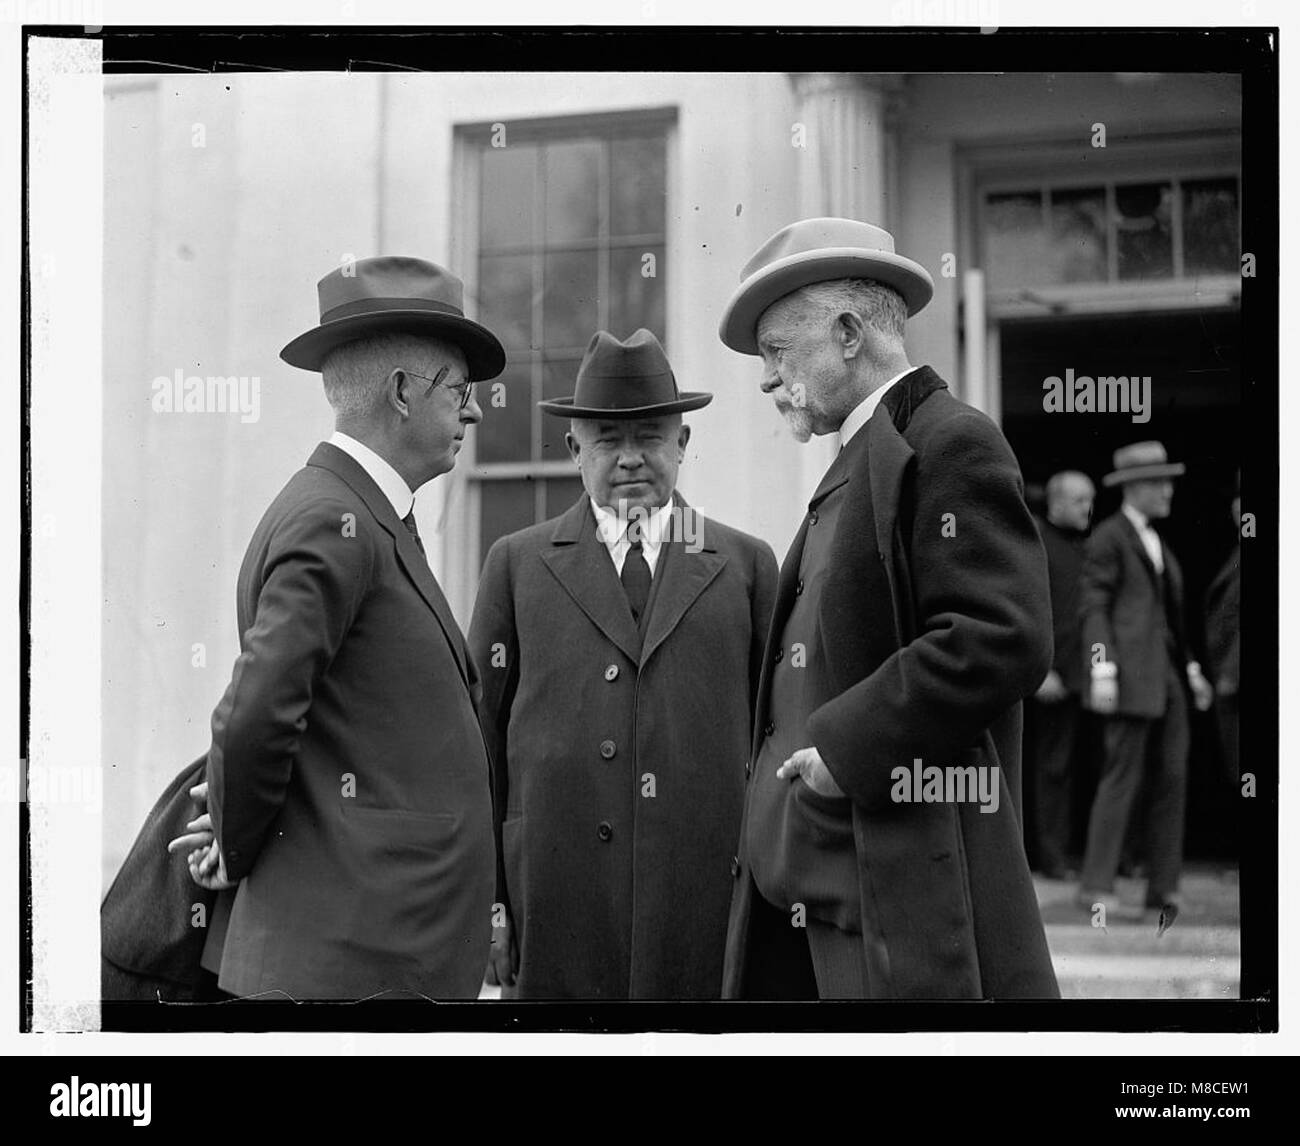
(815,251)
(629,379)
(393,293)
(1140,461)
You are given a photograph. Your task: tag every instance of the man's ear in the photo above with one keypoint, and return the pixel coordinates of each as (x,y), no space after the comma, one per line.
(575,447)
(683,436)
(397,392)
(850,333)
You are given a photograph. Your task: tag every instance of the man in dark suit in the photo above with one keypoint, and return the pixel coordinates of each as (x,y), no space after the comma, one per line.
(1055,717)
(1135,646)
(620,645)
(912,617)
(349,784)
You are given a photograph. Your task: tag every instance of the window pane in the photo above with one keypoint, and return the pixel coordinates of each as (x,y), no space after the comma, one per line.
(637,186)
(506,195)
(1144,237)
(1210,242)
(572,174)
(506,506)
(569,302)
(506,298)
(561,493)
(1015,247)
(636,290)
(558,379)
(505,433)
(1079,235)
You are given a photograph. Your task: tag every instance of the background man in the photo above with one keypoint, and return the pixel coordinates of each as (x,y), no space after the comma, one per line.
(1131,608)
(620,645)
(349,783)
(1055,717)
(916,594)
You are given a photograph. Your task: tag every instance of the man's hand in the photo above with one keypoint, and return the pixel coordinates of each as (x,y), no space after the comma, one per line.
(808,763)
(1052,689)
(208,868)
(200,833)
(1202,693)
(503,957)
(1105,694)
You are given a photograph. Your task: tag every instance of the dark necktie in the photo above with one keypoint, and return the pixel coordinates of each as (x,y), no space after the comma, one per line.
(636,579)
(409,522)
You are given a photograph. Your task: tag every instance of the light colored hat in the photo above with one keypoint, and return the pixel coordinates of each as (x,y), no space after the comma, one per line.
(814,251)
(1142,461)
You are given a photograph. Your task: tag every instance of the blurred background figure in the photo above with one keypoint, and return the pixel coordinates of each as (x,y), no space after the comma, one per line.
(1223,646)
(1056,709)
(1133,633)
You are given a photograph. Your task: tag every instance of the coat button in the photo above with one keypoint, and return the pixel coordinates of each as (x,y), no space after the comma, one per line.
(611,672)
(812,518)
(749,769)
(798,589)
(779,654)
(607,749)
(769,729)
(735,866)
(605,831)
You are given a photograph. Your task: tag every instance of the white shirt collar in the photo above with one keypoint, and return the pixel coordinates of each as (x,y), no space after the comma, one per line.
(861,413)
(391,484)
(612,530)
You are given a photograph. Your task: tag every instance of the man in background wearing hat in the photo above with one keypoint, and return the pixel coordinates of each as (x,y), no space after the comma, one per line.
(349,786)
(620,647)
(916,592)
(1136,653)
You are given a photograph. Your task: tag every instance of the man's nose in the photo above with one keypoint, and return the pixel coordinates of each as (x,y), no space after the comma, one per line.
(630,458)
(472,412)
(771,379)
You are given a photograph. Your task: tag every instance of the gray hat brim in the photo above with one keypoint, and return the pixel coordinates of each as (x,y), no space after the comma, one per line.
(776,280)
(484,355)
(687,400)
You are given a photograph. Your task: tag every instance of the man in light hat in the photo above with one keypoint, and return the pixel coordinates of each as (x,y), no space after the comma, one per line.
(349,785)
(916,591)
(1136,653)
(620,645)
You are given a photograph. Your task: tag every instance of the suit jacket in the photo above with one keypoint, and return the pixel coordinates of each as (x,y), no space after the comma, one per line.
(1064,549)
(1136,615)
(619,756)
(348,779)
(154,918)
(933,665)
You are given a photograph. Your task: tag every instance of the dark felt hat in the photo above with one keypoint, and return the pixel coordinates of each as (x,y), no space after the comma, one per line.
(394,293)
(629,379)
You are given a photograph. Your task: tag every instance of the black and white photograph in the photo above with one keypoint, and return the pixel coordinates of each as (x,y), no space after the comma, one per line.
(544,532)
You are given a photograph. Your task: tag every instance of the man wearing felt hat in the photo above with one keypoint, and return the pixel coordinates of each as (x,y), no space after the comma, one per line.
(1140,670)
(916,590)
(348,783)
(620,647)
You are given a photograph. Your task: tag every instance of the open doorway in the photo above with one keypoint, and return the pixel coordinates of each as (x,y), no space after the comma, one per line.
(1193,360)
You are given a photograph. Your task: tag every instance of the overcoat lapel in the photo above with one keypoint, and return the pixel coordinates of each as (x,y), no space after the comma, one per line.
(579,561)
(412,560)
(1134,540)
(686,575)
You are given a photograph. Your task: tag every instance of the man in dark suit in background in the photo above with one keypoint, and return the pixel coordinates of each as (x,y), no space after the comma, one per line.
(1055,717)
(912,617)
(349,784)
(620,646)
(1136,654)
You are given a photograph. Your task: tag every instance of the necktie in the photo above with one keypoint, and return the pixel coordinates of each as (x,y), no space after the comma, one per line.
(636,580)
(409,522)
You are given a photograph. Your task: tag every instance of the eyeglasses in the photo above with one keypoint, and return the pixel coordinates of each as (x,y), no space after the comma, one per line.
(465,390)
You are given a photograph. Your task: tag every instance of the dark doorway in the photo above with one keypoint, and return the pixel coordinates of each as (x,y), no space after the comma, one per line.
(1193,360)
